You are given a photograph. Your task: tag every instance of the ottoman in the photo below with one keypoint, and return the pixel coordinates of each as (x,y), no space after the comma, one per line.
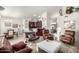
(49,46)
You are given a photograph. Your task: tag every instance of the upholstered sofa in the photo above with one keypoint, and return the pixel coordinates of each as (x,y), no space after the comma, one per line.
(68,37)
(20,47)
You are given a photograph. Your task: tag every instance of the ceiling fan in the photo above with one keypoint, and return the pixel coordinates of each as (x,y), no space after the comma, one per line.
(72,9)
(76,8)
(1,8)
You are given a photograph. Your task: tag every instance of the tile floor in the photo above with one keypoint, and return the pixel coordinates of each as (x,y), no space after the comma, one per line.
(65,48)
(31,44)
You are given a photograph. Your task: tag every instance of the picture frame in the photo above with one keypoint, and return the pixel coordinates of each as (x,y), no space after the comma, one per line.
(7,24)
(15,25)
(69,24)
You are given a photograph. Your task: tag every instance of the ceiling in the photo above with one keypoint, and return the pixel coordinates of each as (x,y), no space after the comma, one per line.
(25,11)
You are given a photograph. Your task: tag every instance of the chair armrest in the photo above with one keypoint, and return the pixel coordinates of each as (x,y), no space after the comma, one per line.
(25,50)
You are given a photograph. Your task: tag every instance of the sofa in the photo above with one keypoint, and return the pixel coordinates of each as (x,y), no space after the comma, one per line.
(20,47)
(68,37)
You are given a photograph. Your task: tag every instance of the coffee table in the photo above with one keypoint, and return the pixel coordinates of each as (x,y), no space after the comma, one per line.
(49,46)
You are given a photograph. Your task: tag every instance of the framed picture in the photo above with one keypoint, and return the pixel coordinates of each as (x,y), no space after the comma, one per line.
(53,25)
(7,24)
(26,24)
(69,24)
(15,25)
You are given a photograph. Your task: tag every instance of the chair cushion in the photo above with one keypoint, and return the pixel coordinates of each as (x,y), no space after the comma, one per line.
(19,46)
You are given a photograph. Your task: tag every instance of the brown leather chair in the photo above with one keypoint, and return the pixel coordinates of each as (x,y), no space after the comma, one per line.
(21,47)
(6,47)
(68,37)
(39,32)
(45,33)
(9,34)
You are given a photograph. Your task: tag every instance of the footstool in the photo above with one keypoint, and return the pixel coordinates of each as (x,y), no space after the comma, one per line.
(48,46)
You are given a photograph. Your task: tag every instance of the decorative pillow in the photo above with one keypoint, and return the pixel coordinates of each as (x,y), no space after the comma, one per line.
(31,36)
(19,46)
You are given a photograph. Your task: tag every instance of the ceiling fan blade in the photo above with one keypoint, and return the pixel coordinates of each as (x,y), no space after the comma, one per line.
(2,8)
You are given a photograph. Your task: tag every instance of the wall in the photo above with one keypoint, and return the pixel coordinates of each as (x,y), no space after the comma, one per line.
(4,29)
(25,23)
(44,20)
(73,16)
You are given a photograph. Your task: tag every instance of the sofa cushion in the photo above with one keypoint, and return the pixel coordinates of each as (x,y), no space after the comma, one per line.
(19,46)
(68,32)
(68,36)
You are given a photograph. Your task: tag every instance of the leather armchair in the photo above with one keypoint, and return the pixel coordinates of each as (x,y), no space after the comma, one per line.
(21,47)
(45,33)
(9,34)
(6,47)
(68,37)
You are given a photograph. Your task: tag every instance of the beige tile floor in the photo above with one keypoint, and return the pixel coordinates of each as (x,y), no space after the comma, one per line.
(65,48)
(31,44)
(16,40)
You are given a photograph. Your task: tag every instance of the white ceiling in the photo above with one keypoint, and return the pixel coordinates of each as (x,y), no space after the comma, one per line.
(22,11)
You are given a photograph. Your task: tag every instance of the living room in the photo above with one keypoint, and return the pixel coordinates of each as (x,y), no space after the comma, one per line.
(39,29)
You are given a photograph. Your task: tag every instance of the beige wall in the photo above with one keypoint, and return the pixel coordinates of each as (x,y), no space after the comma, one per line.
(3,28)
